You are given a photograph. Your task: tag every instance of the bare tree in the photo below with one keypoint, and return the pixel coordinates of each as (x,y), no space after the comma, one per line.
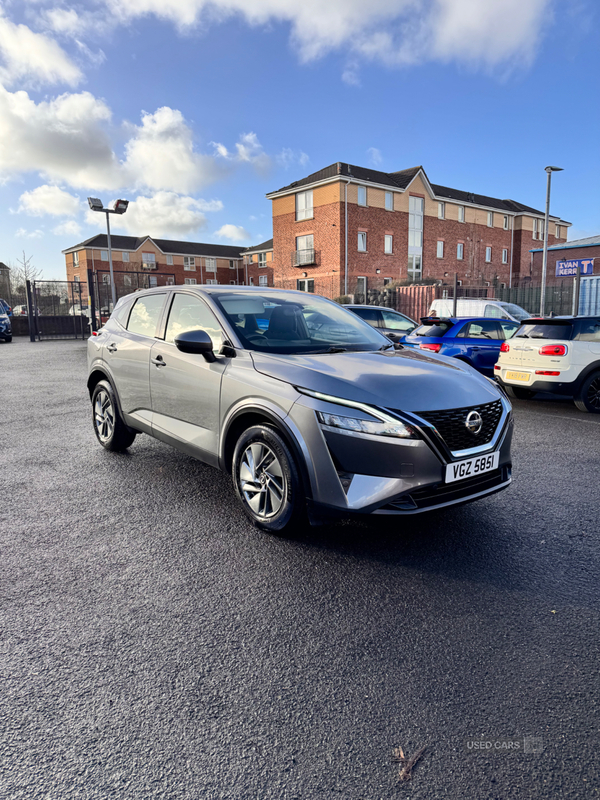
(25,271)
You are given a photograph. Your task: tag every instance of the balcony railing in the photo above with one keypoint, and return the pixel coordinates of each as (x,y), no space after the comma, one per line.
(303,258)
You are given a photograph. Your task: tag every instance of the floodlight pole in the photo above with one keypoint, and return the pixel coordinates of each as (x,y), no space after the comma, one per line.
(113,289)
(549,170)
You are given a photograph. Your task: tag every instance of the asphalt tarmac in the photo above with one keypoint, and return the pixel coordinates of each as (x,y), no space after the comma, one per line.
(155,645)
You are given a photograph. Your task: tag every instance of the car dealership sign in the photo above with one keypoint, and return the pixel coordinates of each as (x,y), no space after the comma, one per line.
(566,268)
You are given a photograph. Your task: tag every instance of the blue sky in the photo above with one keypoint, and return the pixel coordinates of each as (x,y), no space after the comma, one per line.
(194,110)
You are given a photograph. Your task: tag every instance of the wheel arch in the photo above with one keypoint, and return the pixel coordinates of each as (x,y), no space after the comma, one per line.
(98,374)
(585,374)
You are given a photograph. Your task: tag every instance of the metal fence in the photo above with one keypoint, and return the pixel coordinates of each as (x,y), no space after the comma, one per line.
(57,310)
(125,283)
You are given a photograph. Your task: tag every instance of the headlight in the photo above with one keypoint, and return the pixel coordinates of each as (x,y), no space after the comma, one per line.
(395,428)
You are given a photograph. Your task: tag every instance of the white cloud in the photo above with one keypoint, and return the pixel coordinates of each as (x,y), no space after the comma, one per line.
(288,158)
(375,157)
(480,32)
(49,200)
(69,228)
(64,139)
(21,233)
(248,150)
(161,155)
(162,214)
(33,58)
(64,21)
(235,233)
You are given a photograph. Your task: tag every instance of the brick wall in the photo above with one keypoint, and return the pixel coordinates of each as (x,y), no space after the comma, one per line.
(562,255)
(524,242)
(377,222)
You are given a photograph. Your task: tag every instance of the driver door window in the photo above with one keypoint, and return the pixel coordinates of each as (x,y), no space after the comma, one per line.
(394,322)
(189,313)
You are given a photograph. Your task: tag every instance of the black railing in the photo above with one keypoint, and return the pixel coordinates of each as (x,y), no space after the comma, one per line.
(303,258)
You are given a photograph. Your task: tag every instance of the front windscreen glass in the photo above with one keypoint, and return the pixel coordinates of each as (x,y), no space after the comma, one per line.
(516,311)
(289,323)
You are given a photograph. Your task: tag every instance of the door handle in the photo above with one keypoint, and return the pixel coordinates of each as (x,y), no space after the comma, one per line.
(476,348)
(112,347)
(159,361)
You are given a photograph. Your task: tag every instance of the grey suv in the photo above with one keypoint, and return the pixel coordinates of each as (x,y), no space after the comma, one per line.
(311,410)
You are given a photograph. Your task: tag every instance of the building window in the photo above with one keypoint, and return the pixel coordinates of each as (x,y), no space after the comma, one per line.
(541,226)
(490,219)
(232,283)
(191,281)
(460,251)
(305,249)
(441,210)
(263,280)
(75,259)
(361,290)
(505,223)
(232,265)
(262,259)
(535,229)
(461,213)
(153,281)
(170,261)
(249,257)
(558,231)
(106,278)
(251,281)
(189,263)
(148,260)
(212,281)
(387,281)
(488,254)
(388,243)
(440,249)
(362,242)
(389,201)
(211,265)
(306,285)
(103,255)
(505,255)
(304,205)
(362,195)
(170,281)
(127,280)
(415,222)
(124,256)
(76,278)
(414,267)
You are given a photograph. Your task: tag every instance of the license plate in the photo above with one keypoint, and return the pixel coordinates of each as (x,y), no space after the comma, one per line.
(471,467)
(517,376)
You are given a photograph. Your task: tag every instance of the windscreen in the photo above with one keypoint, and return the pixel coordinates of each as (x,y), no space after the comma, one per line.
(516,311)
(288,323)
(545,331)
(438,328)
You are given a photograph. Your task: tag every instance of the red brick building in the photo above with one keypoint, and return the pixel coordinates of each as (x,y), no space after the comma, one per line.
(258,264)
(578,249)
(346,229)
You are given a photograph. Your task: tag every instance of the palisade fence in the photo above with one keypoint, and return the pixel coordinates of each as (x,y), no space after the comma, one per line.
(56,310)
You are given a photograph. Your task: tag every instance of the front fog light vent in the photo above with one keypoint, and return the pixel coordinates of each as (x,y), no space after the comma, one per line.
(345,480)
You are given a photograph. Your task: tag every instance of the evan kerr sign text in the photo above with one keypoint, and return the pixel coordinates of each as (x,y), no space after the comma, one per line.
(566,268)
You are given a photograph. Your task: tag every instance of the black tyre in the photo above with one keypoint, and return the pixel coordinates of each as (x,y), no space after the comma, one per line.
(518,392)
(110,430)
(588,398)
(8,339)
(267,481)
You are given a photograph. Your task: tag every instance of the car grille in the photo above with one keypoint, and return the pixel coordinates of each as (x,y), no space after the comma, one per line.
(451,425)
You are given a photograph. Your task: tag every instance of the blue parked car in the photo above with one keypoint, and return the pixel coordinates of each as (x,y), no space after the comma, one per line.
(476,341)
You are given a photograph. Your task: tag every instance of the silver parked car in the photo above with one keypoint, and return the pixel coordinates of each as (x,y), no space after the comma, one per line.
(311,410)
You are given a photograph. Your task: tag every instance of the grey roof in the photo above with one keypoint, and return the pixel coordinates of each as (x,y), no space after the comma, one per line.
(166,245)
(4,266)
(268,245)
(402,178)
(589,241)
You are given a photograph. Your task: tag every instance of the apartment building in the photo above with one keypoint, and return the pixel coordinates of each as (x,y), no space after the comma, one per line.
(346,229)
(258,264)
(140,262)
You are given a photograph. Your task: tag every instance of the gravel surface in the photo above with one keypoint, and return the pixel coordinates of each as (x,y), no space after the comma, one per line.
(155,645)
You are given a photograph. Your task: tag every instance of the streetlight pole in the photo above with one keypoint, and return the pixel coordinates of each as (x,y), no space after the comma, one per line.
(120,208)
(549,171)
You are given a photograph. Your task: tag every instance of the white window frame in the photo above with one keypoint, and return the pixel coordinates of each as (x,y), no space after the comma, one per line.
(169,260)
(460,251)
(149,258)
(505,222)
(535,228)
(388,244)
(440,249)
(490,219)
(152,281)
(75,259)
(103,255)
(212,281)
(389,196)
(461,213)
(262,260)
(170,280)
(362,240)
(190,281)
(441,210)
(76,278)
(210,264)
(488,255)
(263,280)
(106,278)
(189,263)
(127,280)
(505,255)
(557,232)
(231,264)
(304,205)
(361,192)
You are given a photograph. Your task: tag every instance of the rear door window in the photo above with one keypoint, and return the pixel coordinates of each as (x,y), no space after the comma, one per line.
(540,330)
(483,329)
(145,314)
(370,315)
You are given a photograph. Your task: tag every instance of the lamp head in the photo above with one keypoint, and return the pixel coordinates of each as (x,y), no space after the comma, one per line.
(95,204)
(553,169)
(121,206)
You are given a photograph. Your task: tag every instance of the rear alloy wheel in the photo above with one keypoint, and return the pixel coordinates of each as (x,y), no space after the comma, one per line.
(589,395)
(110,430)
(267,481)
(519,392)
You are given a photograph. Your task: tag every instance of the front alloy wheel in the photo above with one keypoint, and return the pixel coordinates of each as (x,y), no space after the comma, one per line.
(267,481)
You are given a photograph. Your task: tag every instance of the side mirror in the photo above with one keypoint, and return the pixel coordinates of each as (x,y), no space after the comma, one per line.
(196,342)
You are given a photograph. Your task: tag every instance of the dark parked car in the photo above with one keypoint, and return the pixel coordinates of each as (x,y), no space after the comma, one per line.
(5,327)
(391,323)
(475,341)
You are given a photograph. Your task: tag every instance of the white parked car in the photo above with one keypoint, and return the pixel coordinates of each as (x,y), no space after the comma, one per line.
(478,307)
(560,355)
